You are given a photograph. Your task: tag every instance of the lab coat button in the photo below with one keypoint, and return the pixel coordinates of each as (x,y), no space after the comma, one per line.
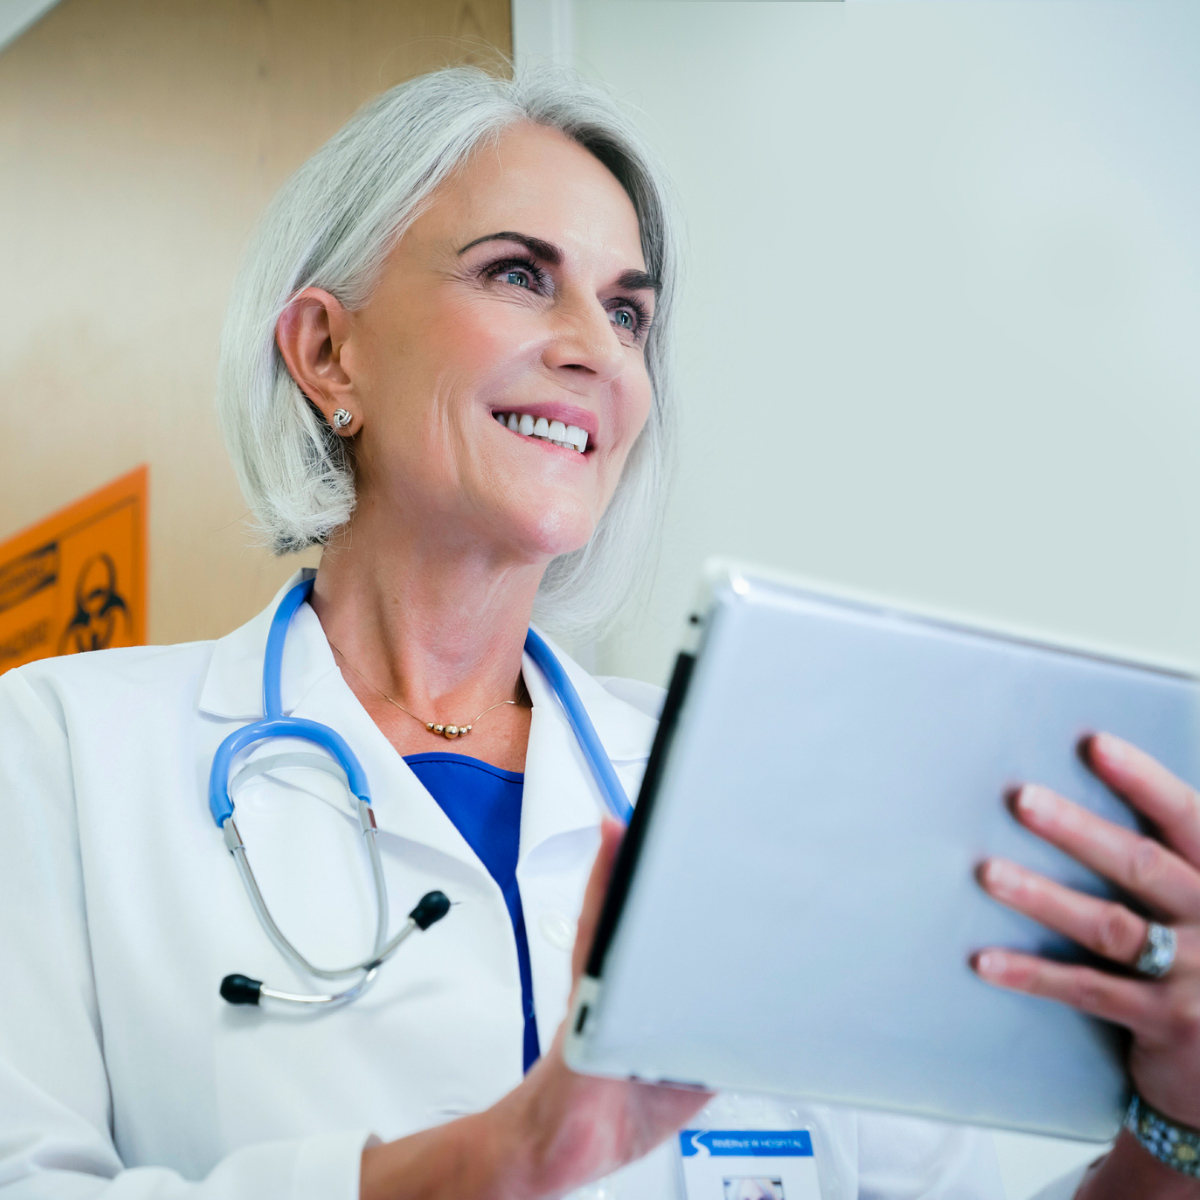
(557,930)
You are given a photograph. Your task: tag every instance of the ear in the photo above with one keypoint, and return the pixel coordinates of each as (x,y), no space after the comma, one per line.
(311,335)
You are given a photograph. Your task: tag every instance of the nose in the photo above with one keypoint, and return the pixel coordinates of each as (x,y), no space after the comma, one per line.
(584,344)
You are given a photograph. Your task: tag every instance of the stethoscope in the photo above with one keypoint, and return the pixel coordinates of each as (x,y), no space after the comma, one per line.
(344,765)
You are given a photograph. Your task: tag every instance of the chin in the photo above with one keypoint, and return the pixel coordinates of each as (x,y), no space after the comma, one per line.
(559,529)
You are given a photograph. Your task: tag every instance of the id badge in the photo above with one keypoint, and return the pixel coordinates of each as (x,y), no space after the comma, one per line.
(748,1164)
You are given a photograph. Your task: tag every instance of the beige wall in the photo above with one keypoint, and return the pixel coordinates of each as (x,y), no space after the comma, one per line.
(139,140)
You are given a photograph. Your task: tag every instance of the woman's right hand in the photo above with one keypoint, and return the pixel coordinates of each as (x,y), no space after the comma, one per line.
(554,1133)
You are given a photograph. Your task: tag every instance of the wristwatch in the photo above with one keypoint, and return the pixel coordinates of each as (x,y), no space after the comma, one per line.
(1176,1145)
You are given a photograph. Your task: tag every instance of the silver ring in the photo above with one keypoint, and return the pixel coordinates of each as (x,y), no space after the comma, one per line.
(341,418)
(1158,951)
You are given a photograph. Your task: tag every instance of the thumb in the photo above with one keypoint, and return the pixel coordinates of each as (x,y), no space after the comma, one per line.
(593,899)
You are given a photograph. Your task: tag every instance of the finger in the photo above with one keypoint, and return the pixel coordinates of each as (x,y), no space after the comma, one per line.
(1104,927)
(1170,803)
(1141,865)
(1127,1002)
(593,898)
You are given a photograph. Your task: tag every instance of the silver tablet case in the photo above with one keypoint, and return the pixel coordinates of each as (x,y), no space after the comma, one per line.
(795,903)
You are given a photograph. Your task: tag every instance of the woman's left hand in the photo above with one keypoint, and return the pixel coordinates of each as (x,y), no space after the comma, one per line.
(1163,874)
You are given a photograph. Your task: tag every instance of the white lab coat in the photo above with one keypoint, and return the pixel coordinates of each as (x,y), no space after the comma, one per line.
(123,1073)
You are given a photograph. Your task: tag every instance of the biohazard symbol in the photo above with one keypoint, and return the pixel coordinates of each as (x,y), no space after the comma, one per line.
(99,609)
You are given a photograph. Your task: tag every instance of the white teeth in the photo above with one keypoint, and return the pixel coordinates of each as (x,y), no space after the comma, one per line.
(569,437)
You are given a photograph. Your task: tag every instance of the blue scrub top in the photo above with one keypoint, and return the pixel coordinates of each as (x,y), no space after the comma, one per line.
(484,803)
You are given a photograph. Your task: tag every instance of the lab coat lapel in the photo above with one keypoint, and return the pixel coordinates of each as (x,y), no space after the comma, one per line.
(561,795)
(560,818)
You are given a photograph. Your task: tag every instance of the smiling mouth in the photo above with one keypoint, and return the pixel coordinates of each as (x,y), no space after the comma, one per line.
(569,437)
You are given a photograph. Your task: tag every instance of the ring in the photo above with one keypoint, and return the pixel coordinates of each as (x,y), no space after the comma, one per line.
(1158,951)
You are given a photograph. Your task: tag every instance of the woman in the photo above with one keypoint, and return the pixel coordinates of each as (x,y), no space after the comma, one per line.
(445,361)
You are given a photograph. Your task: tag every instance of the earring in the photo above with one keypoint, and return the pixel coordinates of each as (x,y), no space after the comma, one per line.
(341,418)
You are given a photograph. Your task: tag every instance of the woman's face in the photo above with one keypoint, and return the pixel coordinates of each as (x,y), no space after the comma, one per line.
(520,292)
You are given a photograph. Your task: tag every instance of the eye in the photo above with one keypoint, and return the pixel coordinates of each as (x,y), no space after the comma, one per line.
(630,318)
(521,273)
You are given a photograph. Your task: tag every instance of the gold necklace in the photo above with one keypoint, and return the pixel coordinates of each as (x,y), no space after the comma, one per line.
(446,731)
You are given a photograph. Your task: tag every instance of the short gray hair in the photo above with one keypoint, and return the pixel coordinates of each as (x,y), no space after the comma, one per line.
(331,226)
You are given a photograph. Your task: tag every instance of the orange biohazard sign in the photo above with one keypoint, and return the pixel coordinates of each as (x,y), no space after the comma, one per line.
(77,580)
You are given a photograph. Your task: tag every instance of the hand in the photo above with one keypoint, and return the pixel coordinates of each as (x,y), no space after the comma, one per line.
(553,1133)
(1163,873)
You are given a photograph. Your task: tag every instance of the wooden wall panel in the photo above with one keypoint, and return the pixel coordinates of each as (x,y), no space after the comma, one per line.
(139,140)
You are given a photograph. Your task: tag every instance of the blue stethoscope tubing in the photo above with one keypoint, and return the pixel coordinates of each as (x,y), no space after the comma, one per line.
(606,779)
(275,724)
(239,989)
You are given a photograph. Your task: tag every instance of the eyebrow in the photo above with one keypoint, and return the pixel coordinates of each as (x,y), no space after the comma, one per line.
(632,280)
(546,251)
(639,281)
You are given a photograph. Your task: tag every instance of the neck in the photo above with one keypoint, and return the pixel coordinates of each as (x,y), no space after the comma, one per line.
(438,626)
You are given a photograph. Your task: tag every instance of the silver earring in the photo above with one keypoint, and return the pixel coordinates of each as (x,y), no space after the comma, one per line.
(341,418)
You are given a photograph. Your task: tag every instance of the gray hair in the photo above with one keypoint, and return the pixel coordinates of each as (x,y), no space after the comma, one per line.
(332,225)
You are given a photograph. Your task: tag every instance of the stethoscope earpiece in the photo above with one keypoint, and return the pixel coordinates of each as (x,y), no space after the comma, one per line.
(241,989)
(431,908)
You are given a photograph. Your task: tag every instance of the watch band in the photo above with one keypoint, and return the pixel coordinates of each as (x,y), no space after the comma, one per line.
(1176,1145)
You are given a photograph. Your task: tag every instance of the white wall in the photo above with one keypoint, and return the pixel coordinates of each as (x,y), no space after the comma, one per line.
(942,312)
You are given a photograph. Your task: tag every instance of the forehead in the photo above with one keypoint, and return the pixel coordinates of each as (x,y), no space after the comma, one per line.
(537,181)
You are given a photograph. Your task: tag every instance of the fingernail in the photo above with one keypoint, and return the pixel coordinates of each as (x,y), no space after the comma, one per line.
(990,962)
(1110,747)
(1035,801)
(999,875)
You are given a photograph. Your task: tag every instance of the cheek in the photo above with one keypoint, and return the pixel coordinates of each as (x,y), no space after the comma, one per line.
(450,353)
(477,345)
(425,380)
(632,411)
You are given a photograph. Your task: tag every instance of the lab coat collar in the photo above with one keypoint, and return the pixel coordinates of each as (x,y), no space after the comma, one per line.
(233,684)
(560,794)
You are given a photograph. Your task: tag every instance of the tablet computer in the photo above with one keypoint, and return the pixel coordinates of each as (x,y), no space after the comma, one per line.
(794,905)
